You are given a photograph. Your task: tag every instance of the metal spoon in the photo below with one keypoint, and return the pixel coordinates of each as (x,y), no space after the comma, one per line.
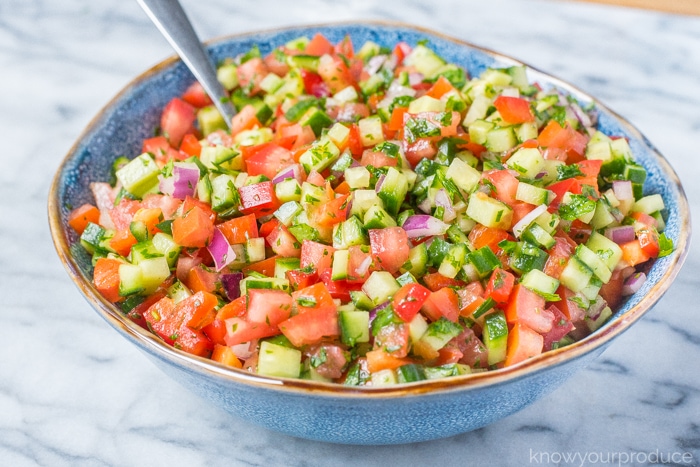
(171,20)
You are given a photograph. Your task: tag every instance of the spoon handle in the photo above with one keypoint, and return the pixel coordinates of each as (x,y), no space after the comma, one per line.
(171,20)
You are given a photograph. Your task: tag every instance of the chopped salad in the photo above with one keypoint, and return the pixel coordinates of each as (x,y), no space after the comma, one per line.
(372,217)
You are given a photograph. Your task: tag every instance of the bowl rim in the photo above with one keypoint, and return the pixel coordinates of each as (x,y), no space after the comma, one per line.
(146,340)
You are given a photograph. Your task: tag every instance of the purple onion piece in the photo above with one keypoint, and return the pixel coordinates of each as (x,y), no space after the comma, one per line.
(621,234)
(623,190)
(633,283)
(292,171)
(380,181)
(232,284)
(220,250)
(423,225)
(443,200)
(373,312)
(185,178)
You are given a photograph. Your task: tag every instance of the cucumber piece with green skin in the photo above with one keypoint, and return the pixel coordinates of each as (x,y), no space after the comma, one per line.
(495,336)
(410,373)
(453,261)
(440,332)
(539,282)
(393,191)
(320,156)
(340,265)
(535,234)
(278,360)
(594,263)
(417,263)
(489,211)
(361,300)
(575,275)
(282,265)
(606,249)
(380,286)
(140,175)
(354,326)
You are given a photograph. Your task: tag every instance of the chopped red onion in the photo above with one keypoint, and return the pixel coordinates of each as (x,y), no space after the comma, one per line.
(375,63)
(232,284)
(581,115)
(623,190)
(596,308)
(633,283)
(373,312)
(184,265)
(182,183)
(443,200)
(380,181)
(364,266)
(220,250)
(621,234)
(527,219)
(423,225)
(291,171)
(245,350)
(425,206)
(415,78)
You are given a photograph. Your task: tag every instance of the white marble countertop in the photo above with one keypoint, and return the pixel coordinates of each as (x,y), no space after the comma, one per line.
(74,393)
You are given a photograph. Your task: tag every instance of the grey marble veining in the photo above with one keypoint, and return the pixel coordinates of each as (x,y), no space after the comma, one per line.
(73,393)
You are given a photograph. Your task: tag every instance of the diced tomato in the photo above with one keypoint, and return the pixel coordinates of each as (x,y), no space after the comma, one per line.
(122,214)
(335,73)
(169,322)
(393,339)
(520,210)
(612,290)
(200,279)
(283,242)
(297,136)
(361,264)
(378,159)
(299,279)
(239,229)
(523,343)
(267,227)
(448,355)
(500,286)
(443,302)
(559,255)
(106,278)
(239,330)
(314,297)
(332,212)
(196,96)
(474,352)
(345,48)
(122,241)
(162,319)
(149,217)
(224,355)
(526,307)
(245,119)
(481,236)
(441,87)
(276,63)
(314,84)
(400,51)
(266,159)
(633,254)
(354,141)
(198,309)
(161,149)
(250,74)
(311,327)
(555,136)
(316,255)
(436,281)
(514,110)
(561,327)
(470,298)
(258,198)
(177,120)
(265,267)
(648,239)
(389,247)
(216,331)
(408,300)
(333,359)
(396,119)
(191,202)
(236,308)
(268,306)
(194,229)
(569,306)
(339,289)
(80,217)
(166,204)
(378,360)
(318,45)
(505,183)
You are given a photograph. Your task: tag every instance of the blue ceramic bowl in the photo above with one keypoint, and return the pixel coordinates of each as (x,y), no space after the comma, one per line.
(321,411)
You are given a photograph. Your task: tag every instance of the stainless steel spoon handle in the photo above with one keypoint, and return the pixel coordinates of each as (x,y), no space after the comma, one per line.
(171,20)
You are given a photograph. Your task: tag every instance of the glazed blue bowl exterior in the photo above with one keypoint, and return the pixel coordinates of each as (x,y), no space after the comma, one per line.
(322,411)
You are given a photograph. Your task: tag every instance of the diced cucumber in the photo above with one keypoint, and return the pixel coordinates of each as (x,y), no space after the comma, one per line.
(227,75)
(440,332)
(426,104)
(527,257)
(142,251)
(357,177)
(602,217)
(354,326)
(649,204)
(539,282)
(384,378)
(283,264)
(92,237)
(484,261)
(575,275)
(378,218)
(362,200)
(139,176)
(526,131)
(340,265)
(216,155)
(535,234)
(320,156)
(274,283)
(255,249)
(306,62)
(447,370)
(495,336)
(287,211)
(167,247)
(339,134)
(594,263)
(348,233)
(500,139)
(477,111)
(317,120)
(371,132)
(178,292)
(463,175)
(154,272)
(380,286)
(312,194)
(224,194)
(417,263)
(595,324)
(606,249)
(210,120)
(348,94)
(424,60)
(479,131)
(489,211)
(532,194)
(528,162)
(130,279)
(361,300)
(278,360)
(410,373)
(393,190)
(454,260)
